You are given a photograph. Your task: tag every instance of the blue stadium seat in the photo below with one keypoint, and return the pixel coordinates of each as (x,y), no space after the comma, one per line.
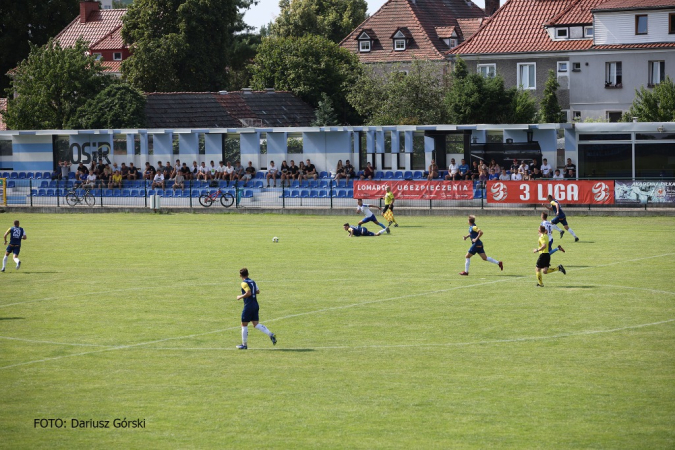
(323,184)
(418,174)
(14,175)
(287,193)
(323,193)
(304,193)
(341,193)
(258,184)
(323,174)
(389,175)
(295,193)
(195,193)
(442,174)
(117,192)
(379,174)
(313,184)
(126,193)
(260,175)
(134,193)
(168,193)
(46,175)
(295,184)
(30,175)
(54,183)
(51,192)
(22,175)
(407,175)
(350,184)
(350,193)
(72,175)
(5,175)
(398,175)
(44,184)
(108,193)
(38,175)
(342,184)
(151,192)
(41,192)
(247,193)
(304,184)
(313,193)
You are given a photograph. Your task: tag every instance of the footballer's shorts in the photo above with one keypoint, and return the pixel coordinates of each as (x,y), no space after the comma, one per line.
(543,261)
(390,207)
(477,247)
(371,218)
(250,313)
(559,219)
(13,249)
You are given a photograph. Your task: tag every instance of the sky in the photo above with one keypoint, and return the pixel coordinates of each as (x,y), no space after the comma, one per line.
(266,10)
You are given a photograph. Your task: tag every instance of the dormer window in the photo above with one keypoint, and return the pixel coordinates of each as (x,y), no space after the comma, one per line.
(450,42)
(364,46)
(561,33)
(365,40)
(588,32)
(401,39)
(399,45)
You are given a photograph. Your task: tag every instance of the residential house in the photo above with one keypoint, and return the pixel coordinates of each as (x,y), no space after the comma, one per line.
(424,29)
(101,29)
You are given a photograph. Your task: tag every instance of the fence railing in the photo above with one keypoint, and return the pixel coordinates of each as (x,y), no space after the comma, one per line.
(308,194)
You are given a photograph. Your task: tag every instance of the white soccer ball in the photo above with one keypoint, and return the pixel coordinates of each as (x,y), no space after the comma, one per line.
(275,239)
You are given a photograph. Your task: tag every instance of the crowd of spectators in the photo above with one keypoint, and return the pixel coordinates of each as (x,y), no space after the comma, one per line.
(517,171)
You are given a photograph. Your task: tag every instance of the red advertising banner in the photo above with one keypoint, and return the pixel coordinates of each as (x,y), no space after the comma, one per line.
(567,192)
(415,190)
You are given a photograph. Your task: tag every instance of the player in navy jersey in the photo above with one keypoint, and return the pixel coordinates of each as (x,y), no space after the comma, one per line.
(549,230)
(249,293)
(356,231)
(556,207)
(16,235)
(476,247)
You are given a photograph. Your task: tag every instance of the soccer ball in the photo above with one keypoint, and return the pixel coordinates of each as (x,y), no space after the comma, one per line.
(275,239)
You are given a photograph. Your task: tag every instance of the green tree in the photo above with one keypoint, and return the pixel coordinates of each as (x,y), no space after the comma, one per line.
(393,97)
(325,113)
(117,106)
(332,19)
(183,45)
(28,22)
(549,108)
(51,85)
(308,67)
(655,105)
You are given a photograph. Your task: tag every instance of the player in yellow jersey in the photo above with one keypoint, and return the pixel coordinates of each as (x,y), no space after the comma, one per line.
(544,260)
(388,211)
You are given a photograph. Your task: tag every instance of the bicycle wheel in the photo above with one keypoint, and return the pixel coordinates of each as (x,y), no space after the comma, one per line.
(205,200)
(89,199)
(72,199)
(227,200)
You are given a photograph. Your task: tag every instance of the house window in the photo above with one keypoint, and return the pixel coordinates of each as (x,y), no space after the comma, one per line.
(561,33)
(527,75)
(657,71)
(117,56)
(576,115)
(641,24)
(562,67)
(588,32)
(576,67)
(450,42)
(98,56)
(614,116)
(671,23)
(487,70)
(613,74)
(399,45)
(364,46)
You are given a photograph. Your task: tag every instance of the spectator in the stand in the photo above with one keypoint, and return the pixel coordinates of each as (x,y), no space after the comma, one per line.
(293,170)
(194,171)
(158,180)
(514,165)
(532,166)
(65,170)
(176,169)
(557,175)
(546,171)
(179,181)
(310,170)
(113,168)
(475,171)
(133,172)
(516,176)
(160,167)
(239,172)
(220,171)
(494,166)
(90,182)
(203,172)
(492,175)
(464,171)
(570,166)
(301,171)
(185,171)
(483,176)
(483,166)
(433,170)
(56,173)
(350,172)
(453,170)
(250,173)
(100,166)
(339,170)
(504,176)
(124,171)
(213,171)
(82,169)
(523,168)
(368,172)
(80,179)
(571,174)
(536,174)
(168,170)
(149,173)
(115,180)
(271,174)
(285,174)
(228,172)
(106,175)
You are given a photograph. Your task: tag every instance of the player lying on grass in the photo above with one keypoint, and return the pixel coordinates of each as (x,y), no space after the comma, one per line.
(356,231)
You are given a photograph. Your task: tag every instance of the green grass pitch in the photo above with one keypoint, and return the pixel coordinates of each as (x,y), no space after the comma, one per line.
(381,343)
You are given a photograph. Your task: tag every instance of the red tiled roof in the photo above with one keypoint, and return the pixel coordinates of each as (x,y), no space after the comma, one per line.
(420,17)
(518,27)
(634,46)
(469,27)
(445,32)
(112,41)
(578,12)
(99,24)
(112,66)
(3,107)
(634,4)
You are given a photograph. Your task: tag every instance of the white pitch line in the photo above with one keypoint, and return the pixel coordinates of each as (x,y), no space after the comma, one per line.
(122,347)
(51,342)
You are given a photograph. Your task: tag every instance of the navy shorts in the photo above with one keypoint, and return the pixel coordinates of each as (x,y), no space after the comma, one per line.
(477,247)
(250,313)
(559,219)
(13,249)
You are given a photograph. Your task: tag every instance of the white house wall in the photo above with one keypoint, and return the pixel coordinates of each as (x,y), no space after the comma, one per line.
(619,27)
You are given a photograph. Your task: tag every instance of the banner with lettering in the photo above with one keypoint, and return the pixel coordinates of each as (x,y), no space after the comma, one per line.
(641,192)
(572,192)
(415,190)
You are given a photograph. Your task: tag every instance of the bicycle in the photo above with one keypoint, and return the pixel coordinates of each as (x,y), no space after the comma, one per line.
(226,199)
(73,198)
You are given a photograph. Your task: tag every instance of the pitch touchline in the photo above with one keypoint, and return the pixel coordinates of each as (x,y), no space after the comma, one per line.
(122,347)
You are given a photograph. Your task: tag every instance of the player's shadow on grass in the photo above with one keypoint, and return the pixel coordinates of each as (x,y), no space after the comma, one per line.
(576,267)
(577,287)
(12,318)
(287,349)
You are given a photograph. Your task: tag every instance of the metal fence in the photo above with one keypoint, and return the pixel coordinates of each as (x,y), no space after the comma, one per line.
(324,193)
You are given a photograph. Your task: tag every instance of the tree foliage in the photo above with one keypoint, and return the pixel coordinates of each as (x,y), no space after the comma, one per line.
(655,105)
(550,110)
(117,106)
(183,45)
(307,67)
(332,19)
(414,96)
(51,85)
(27,22)
(325,113)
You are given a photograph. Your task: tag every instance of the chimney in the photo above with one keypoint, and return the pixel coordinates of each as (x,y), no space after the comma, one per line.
(86,8)
(491,6)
